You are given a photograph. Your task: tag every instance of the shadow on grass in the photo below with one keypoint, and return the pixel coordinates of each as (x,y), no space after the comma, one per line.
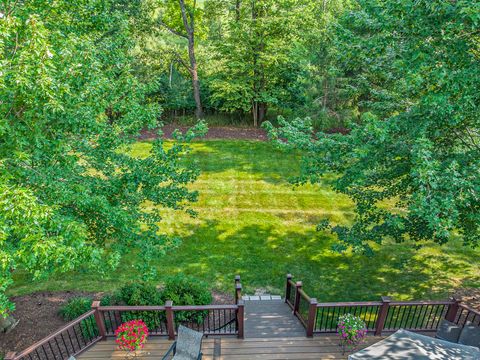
(262,256)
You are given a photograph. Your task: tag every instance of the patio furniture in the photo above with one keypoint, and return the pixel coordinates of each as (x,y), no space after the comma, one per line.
(187,346)
(412,346)
(470,335)
(448,331)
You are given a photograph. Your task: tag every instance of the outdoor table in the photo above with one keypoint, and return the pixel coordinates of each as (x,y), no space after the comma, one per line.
(408,345)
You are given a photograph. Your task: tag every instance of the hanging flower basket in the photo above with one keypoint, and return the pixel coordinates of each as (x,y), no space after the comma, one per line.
(131,336)
(352,331)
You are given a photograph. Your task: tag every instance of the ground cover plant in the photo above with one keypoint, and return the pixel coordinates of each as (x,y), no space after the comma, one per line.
(252,222)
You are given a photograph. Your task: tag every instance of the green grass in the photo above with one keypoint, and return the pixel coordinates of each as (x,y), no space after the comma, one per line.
(252,222)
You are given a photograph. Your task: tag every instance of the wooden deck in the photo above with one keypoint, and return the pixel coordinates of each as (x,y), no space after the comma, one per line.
(321,347)
(271,319)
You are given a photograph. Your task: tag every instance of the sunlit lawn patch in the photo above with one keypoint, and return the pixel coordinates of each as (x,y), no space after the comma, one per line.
(252,222)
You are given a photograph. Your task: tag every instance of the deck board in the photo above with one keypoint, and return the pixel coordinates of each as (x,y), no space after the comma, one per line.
(271,319)
(293,348)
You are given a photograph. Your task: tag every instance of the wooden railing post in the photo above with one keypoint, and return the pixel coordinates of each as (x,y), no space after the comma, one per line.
(382,315)
(298,286)
(10,355)
(241,319)
(99,320)
(452,310)
(170,320)
(238,293)
(288,287)
(312,316)
(237,279)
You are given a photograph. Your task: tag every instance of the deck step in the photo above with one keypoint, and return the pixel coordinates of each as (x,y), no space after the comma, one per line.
(271,319)
(265,297)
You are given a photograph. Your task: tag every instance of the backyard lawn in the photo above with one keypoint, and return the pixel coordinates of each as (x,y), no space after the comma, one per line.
(252,222)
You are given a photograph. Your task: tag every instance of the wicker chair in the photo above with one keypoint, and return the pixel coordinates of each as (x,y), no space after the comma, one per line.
(187,346)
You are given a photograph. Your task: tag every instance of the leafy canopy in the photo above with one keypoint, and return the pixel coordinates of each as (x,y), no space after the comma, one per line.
(413,70)
(70,105)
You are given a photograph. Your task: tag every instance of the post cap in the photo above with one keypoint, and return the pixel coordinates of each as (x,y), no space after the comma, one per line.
(237,277)
(386,299)
(298,284)
(169,303)
(313,301)
(289,276)
(95,304)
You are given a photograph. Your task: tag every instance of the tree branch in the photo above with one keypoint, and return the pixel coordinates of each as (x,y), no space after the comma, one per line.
(181,61)
(172,30)
(183,9)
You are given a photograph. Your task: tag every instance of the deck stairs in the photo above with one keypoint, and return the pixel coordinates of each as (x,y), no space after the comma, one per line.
(269,316)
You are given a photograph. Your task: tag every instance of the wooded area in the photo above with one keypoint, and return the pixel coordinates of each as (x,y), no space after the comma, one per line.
(396,82)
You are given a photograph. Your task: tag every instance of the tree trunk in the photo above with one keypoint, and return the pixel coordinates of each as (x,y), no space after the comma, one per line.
(195,81)
(237,10)
(262,111)
(255,113)
(189,24)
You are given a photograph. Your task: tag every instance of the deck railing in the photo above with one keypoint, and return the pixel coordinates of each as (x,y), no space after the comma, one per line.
(70,340)
(379,316)
(102,321)
(164,320)
(465,315)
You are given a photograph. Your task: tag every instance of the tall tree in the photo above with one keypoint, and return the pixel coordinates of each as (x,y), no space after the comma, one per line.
(70,106)
(259,57)
(414,70)
(187,12)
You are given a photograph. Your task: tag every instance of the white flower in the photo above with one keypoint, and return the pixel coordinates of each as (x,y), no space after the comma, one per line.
(49,54)
(2,15)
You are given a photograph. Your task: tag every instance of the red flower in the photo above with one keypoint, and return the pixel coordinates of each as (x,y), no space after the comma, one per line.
(131,335)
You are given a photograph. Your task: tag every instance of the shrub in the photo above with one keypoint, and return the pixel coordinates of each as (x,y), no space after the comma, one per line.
(184,290)
(351,330)
(136,294)
(75,307)
(140,293)
(131,335)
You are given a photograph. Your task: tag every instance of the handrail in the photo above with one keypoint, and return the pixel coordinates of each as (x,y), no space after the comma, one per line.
(421,302)
(468,308)
(204,307)
(132,308)
(304,295)
(351,303)
(45,340)
(382,315)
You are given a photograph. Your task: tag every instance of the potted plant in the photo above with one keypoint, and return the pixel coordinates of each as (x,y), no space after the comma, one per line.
(352,330)
(131,336)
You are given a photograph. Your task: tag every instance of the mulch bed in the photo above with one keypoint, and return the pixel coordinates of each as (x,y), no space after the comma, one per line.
(38,315)
(470,297)
(220,132)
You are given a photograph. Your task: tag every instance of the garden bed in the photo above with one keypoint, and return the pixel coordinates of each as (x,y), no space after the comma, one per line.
(38,315)
(220,132)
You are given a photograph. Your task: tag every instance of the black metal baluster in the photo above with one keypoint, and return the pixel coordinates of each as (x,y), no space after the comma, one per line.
(43,349)
(59,348)
(76,337)
(71,342)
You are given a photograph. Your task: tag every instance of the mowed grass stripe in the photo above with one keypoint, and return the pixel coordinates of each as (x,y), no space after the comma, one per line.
(251,221)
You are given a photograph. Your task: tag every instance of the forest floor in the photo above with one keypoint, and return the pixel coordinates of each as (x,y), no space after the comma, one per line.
(251,221)
(214,132)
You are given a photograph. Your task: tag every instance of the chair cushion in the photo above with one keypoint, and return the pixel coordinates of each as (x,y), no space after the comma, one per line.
(448,331)
(470,335)
(189,343)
